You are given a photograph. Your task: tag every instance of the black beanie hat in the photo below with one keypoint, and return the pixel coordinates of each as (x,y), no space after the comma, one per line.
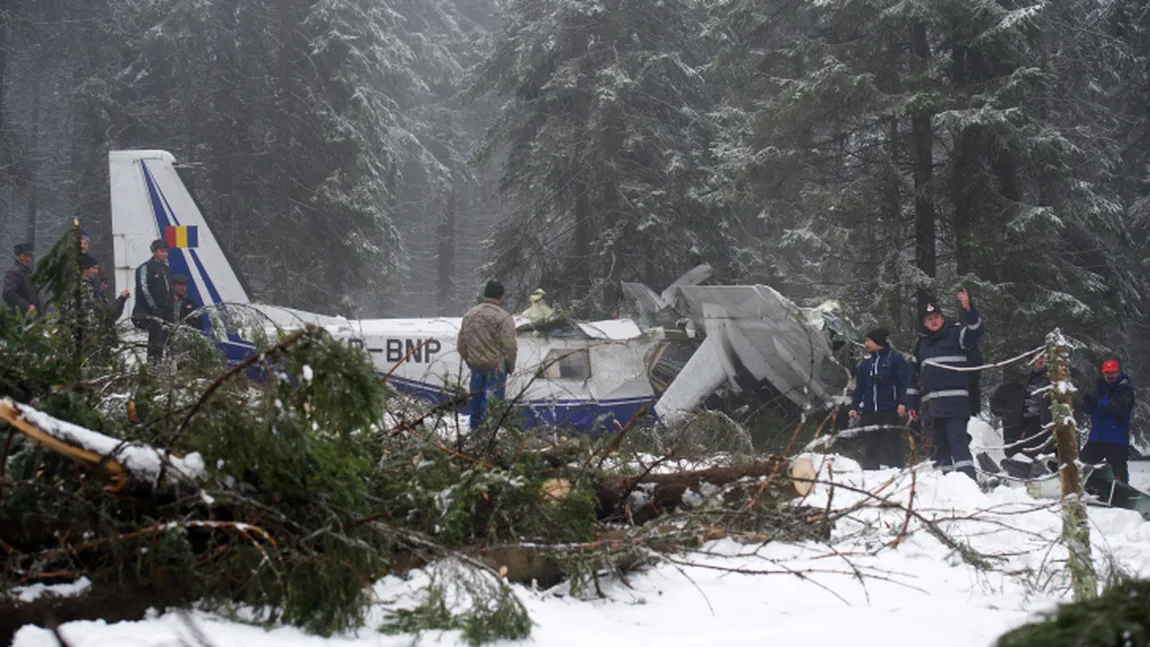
(87,262)
(880,336)
(22,248)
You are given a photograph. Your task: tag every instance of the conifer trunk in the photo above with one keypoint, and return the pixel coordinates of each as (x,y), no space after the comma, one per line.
(283,207)
(1075,527)
(445,258)
(922,152)
(33,165)
(584,228)
(612,198)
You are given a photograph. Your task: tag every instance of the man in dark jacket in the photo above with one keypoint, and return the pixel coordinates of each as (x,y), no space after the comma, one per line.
(153,309)
(183,305)
(1110,411)
(1025,413)
(1036,410)
(1007,402)
(942,393)
(85,248)
(880,400)
(19,293)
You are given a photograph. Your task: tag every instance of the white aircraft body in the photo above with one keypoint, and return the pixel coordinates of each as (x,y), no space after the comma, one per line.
(595,376)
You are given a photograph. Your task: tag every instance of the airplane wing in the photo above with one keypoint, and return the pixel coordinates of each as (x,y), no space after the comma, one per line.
(755,329)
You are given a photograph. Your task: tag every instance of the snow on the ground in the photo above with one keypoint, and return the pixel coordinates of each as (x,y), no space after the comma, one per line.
(858,594)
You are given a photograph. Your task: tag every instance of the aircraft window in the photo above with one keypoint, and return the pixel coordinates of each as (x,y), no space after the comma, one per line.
(567,364)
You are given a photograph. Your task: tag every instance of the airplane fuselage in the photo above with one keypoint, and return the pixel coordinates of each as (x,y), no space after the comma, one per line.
(586,376)
(590,377)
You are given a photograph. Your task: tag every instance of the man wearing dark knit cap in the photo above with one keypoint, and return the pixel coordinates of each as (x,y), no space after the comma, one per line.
(19,292)
(880,400)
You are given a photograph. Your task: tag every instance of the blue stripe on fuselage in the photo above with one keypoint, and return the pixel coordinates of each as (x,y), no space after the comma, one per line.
(593,417)
(586,416)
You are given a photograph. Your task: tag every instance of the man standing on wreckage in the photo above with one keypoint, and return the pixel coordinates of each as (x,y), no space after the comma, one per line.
(939,395)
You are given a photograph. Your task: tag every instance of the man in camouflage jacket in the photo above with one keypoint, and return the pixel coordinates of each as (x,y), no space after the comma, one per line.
(488,346)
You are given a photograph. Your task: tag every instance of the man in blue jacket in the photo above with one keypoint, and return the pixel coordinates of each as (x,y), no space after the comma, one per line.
(1110,413)
(942,393)
(880,400)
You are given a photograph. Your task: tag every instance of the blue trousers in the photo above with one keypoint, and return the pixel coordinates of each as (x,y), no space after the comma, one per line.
(485,386)
(952,445)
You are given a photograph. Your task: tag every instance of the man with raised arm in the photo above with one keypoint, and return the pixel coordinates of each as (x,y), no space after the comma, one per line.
(940,395)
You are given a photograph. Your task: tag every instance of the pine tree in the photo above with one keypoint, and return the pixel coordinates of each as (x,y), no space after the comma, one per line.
(604,135)
(919,148)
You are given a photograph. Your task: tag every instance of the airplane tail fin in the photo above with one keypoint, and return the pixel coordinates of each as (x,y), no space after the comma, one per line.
(151,201)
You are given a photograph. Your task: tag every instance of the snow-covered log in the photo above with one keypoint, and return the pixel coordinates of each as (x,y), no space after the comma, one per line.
(122,462)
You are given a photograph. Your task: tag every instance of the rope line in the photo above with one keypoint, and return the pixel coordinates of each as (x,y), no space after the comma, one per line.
(1031,354)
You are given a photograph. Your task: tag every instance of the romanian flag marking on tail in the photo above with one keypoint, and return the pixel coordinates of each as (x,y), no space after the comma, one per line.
(182,236)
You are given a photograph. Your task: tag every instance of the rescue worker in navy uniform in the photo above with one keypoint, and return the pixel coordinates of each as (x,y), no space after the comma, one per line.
(943,395)
(19,293)
(880,400)
(1110,410)
(153,309)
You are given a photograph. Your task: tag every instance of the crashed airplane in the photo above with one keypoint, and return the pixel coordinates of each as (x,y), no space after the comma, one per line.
(676,352)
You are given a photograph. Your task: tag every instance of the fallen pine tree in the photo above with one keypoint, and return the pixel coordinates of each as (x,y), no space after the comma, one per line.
(217,522)
(133,470)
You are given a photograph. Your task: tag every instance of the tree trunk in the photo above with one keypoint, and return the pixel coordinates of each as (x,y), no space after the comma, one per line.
(584,225)
(445,260)
(892,193)
(282,217)
(32,164)
(1075,525)
(612,200)
(922,150)
(893,200)
(612,144)
(963,171)
(5,10)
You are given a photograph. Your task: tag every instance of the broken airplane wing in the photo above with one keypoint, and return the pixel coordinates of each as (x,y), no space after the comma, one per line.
(752,331)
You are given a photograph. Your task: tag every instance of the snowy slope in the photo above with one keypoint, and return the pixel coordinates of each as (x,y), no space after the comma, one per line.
(863,595)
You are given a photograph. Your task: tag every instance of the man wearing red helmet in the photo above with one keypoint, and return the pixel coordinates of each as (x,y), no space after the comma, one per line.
(1110,413)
